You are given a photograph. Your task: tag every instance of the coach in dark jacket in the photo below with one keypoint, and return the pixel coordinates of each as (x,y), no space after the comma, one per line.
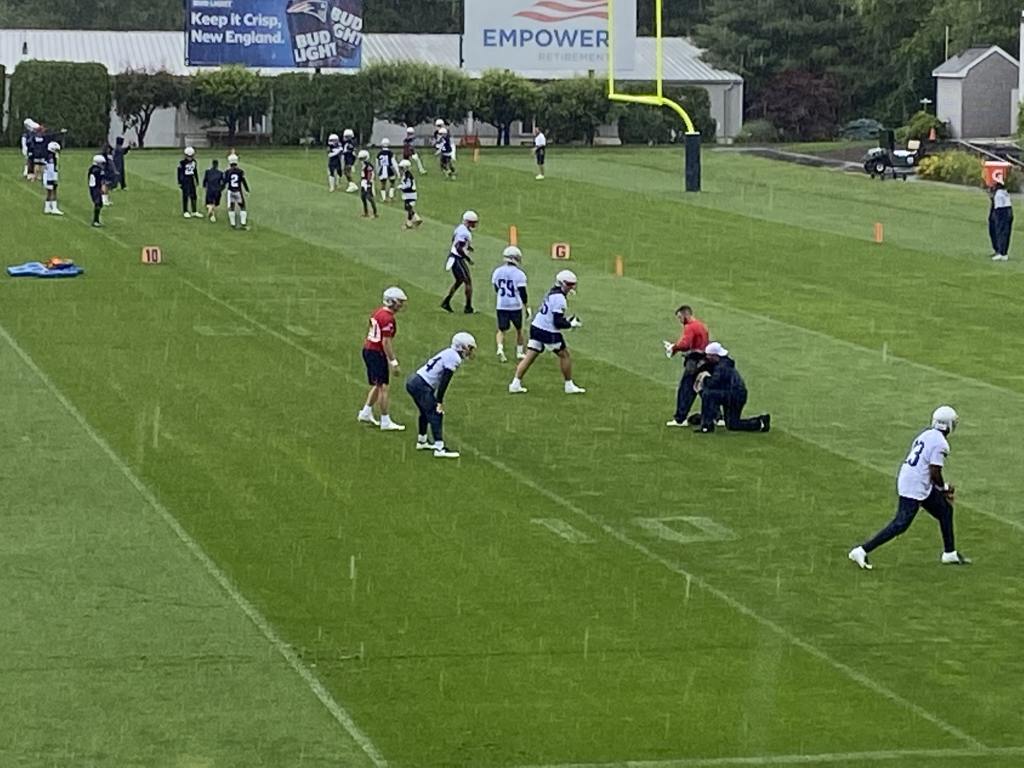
(722,388)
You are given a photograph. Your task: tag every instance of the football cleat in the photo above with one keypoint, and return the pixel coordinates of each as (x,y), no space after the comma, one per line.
(860,557)
(515,388)
(501,356)
(766,423)
(954,558)
(445,453)
(197,215)
(572,389)
(1000,257)
(674,423)
(392,427)
(367,420)
(187,215)
(424,446)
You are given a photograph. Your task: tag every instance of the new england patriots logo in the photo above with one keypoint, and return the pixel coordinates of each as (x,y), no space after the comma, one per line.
(317,8)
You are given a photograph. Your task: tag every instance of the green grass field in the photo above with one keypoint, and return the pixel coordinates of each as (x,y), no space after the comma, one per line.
(206,562)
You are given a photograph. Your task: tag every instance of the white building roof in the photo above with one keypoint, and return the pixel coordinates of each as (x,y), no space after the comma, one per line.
(958,66)
(153,51)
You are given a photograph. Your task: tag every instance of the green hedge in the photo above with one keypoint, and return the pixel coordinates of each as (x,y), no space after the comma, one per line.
(956,167)
(641,124)
(317,105)
(62,95)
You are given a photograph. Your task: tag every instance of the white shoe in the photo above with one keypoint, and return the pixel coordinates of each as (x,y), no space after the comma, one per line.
(391,427)
(501,356)
(954,558)
(351,187)
(424,446)
(1000,257)
(198,215)
(186,215)
(213,218)
(57,212)
(674,423)
(367,420)
(719,422)
(516,388)
(445,453)
(860,557)
(520,355)
(539,177)
(572,389)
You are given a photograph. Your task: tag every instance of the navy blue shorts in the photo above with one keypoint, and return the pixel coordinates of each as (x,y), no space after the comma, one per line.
(541,340)
(213,198)
(508,318)
(334,165)
(422,394)
(377,369)
(460,269)
(540,156)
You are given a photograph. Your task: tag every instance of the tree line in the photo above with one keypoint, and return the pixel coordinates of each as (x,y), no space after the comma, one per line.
(809,65)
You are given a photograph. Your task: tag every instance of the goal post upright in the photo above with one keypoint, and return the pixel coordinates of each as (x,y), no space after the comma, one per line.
(692,138)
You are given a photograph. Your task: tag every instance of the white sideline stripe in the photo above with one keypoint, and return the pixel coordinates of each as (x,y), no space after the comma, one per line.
(732,602)
(783,760)
(337,711)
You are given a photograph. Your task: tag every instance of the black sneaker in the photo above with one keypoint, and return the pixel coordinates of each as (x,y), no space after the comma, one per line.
(469,311)
(766,423)
(446,306)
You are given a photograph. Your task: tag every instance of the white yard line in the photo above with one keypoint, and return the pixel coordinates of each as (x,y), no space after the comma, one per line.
(337,711)
(809,759)
(637,546)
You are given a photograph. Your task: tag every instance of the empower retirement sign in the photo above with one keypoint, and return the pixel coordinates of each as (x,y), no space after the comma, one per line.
(561,35)
(274,33)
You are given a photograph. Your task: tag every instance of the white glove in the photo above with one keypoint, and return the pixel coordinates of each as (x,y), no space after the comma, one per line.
(668,348)
(575,322)
(394,363)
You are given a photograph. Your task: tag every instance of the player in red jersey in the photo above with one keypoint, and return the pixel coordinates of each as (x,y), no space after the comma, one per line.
(379,356)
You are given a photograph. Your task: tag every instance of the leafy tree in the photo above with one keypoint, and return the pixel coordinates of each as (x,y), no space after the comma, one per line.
(574,109)
(759,39)
(137,95)
(803,106)
(641,124)
(227,95)
(502,97)
(410,93)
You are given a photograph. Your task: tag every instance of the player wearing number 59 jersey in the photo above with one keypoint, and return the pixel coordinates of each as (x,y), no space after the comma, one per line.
(509,283)
(379,356)
(428,388)
(920,484)
(546,334)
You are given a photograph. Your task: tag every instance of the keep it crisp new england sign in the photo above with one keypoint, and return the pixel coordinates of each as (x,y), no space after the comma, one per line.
(534,35)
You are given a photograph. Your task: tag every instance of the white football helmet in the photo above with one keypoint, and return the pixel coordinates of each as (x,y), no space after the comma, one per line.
(190,152)
(512,255)
(439,123)
(333,138)
(99,160)
(53,146)
(394,297)
(464,343)
(442,131)
(470,217)
(29,124)
(349,133)
(566,280)
(945,419)
(363,154)
(385,143)
(232,159)
(410,131)
(404,165)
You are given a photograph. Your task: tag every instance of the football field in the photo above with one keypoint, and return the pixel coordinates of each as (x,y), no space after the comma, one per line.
(205,561)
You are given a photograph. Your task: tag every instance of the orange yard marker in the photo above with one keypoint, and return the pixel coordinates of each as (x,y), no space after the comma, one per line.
(513,235)
(476,155)
(879,232)
(620,267)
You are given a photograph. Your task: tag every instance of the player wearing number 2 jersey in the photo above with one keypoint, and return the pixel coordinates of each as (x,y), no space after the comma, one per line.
(428,387)
(509,283)
(379,356)
(920,484)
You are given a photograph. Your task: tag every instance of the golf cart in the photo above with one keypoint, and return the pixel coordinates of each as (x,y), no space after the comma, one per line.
(886,159)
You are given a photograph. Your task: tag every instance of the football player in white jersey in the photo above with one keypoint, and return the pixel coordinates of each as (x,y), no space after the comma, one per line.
(509,283)
(387,170)
(546,334)
(428,387)
(50,179)
(920,484)
(459,260)
(335,150)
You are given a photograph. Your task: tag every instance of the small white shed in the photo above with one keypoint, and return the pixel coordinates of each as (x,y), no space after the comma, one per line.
(975,93)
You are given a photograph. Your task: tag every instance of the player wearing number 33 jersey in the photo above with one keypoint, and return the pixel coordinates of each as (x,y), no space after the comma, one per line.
(920,484)
(428,388)
(380,360)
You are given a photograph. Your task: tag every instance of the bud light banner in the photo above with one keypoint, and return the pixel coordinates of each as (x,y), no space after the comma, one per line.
(548,35)
(275,33)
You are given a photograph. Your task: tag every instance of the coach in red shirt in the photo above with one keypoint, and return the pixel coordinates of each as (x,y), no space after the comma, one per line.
(691,345)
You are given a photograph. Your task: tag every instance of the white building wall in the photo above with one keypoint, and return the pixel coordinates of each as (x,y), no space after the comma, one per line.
(949,104)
